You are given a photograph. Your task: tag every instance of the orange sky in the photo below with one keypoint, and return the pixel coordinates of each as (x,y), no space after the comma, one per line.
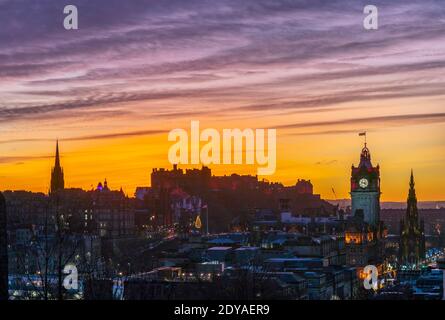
(325,159)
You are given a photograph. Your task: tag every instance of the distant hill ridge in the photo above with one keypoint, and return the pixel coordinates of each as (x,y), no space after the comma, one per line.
(394,205)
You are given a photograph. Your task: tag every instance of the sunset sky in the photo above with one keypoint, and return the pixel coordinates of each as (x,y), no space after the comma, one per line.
(112,90)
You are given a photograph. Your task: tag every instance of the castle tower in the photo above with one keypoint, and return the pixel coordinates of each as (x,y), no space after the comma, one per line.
(412,235)
(57,180)
(365,189)
(3,251)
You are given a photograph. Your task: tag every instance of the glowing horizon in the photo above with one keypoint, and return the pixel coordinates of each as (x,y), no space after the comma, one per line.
(139,172)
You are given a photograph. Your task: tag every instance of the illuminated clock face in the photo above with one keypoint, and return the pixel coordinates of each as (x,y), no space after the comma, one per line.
(363,183)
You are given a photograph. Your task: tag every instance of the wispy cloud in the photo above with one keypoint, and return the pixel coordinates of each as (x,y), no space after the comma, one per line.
(21,159)
(395,120)
(178,51)
(116,135)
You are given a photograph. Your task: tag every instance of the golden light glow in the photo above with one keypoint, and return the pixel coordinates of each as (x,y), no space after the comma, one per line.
(198,223)
(127,162)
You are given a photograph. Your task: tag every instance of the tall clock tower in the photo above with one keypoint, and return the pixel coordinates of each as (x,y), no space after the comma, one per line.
(365,189)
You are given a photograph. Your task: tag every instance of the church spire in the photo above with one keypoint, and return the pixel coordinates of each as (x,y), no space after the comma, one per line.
(57,162)
(412,212)
(412,233)
(412,191)
(57,179)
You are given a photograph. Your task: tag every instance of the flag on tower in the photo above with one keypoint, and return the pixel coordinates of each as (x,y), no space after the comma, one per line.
(361,134)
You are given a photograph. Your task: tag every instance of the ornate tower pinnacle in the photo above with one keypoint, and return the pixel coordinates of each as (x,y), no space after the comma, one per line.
(412,234)
(412,211)
(412,190)
(365,158)
(57,179)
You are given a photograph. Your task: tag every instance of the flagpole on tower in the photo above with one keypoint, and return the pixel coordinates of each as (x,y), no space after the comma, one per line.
(363,134)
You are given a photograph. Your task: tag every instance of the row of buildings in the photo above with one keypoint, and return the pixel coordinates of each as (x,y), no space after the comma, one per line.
(235,266)
(282,251)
